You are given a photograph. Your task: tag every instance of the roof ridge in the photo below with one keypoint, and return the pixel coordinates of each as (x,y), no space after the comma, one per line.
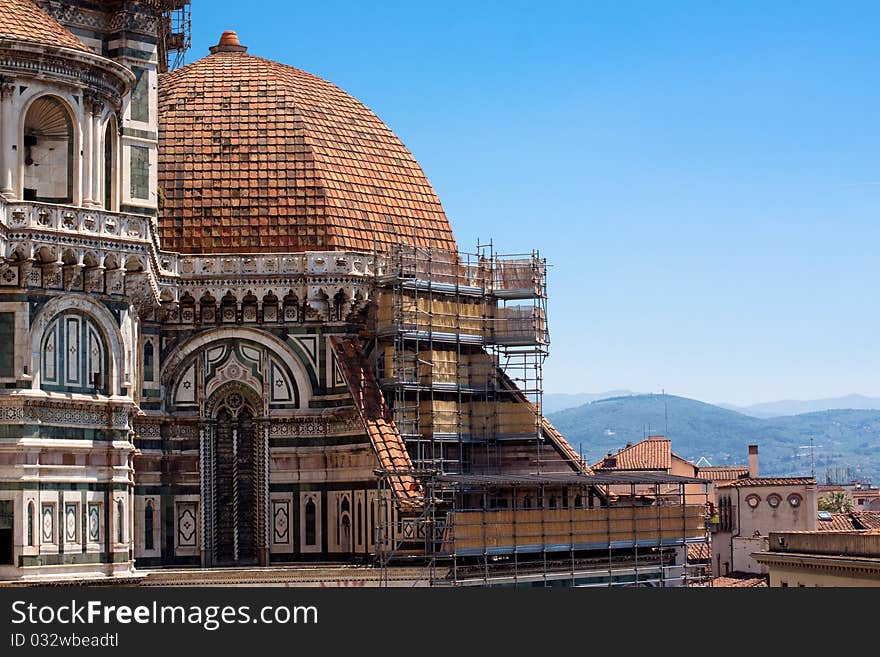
(339,178)
(23,20)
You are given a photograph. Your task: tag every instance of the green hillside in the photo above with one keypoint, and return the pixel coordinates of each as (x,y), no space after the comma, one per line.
(841,438)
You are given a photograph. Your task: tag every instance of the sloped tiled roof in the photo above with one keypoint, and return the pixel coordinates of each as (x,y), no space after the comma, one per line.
(840,522)
(722,472)
(259,156)
(387,441)
(549,431)
(564,446)
(866,519)
(770,481)
(23,20)
(850,521)
(740,581)
(654,453)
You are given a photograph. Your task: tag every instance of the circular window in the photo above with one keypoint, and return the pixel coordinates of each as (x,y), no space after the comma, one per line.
(752,500)
(794,499)
(774,500)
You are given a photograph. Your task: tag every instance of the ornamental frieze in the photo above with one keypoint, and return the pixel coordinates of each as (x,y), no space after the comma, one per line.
(57,413)
(304,427)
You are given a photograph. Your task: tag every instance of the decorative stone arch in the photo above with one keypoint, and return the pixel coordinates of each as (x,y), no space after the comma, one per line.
(111,161)
(180,356)
(116,340)
(72,107)
(234,457)
(222,398)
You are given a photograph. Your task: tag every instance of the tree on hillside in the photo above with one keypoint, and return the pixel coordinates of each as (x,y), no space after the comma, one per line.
(837,501)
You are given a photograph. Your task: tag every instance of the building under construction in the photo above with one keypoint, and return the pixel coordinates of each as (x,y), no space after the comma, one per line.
(495,495)
(243,336)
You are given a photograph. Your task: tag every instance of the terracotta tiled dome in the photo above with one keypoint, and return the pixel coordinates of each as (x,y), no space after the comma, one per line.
(22,20)
(259,156)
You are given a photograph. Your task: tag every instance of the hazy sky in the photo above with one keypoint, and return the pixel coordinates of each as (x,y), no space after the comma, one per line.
(703,176)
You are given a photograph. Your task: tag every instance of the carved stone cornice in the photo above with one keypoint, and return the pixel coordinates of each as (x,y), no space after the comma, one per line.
(101,76)
(88,414)
(93,103)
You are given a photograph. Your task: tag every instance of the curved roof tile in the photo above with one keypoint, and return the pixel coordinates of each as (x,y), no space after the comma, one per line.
(23,20)
(259,156)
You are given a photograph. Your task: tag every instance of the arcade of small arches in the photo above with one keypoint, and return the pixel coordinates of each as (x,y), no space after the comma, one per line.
(288,305)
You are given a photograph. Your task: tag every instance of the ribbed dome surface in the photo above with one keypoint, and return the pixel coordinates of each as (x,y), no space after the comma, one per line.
(23,20)
(259,156)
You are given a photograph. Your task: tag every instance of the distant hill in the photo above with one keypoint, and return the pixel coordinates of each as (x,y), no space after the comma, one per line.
(797,407)
(559,401)
(841,438)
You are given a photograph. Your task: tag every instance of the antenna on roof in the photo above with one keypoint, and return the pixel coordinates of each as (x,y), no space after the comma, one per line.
(665,414)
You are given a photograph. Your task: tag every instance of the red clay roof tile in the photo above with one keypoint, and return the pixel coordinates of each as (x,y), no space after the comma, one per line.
(654,453)
(769,481)
(376,416)
(718,473)
(23,20)
(308,166)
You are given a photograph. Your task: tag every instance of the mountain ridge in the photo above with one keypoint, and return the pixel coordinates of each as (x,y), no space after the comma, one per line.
(841,438)
(557,401)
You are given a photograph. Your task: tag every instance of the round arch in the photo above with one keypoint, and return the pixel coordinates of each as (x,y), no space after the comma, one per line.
(116,344)
(68,102)
(224,395)
(174,362)
(111,160)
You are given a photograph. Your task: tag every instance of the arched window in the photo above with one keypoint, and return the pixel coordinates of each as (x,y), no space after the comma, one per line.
(148,526)
(553,502)
(360,523)
(345,525)
(120,522)
(48,152)
(345,537)
(110,165)
(148,360)
(30,524)
(527,502)
(74,355)
(339,300)
(311,523)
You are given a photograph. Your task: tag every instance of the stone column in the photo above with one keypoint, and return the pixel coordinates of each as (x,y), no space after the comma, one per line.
(8,129)
(97,154)
(206,492)
(264,524)
(87,148)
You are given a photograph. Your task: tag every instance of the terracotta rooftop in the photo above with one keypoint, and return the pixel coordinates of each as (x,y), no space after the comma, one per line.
(23,20)
(740,581)
(839,522)
(719,473)
(654,453)
(851,521)
(258,156)
(376,416)
(770,481)
(866,519)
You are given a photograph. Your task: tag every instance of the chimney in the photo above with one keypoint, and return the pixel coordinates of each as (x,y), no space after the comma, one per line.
(753,461)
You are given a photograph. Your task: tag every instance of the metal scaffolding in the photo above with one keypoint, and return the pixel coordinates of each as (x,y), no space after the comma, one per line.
(175,33)
(553,530)
(463,338)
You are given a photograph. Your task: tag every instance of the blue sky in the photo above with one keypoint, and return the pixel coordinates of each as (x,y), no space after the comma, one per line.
(703,177)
